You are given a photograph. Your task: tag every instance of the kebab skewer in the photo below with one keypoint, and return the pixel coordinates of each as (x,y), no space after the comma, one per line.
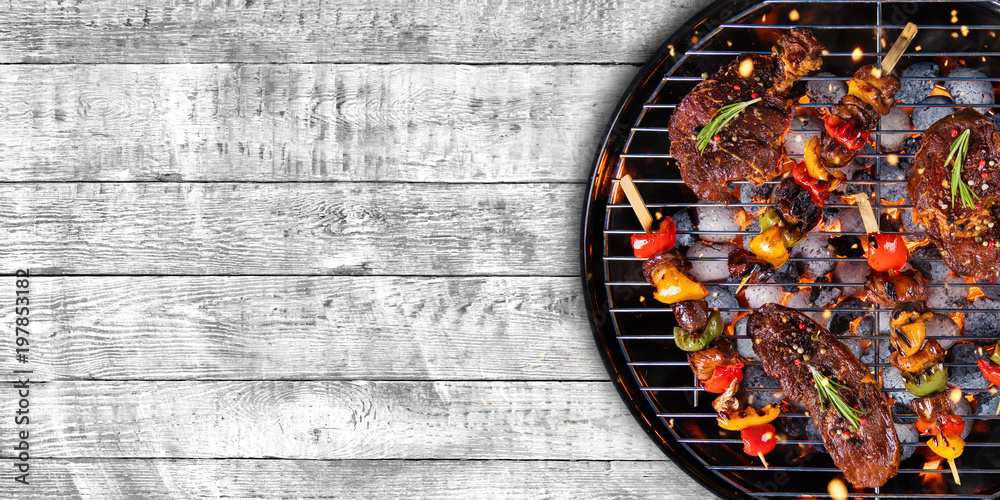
(700,331)
(920,360)
(871,93)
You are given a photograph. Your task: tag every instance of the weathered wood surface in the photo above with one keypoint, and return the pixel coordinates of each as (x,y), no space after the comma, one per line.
(115,479)
(333,420)
(292,228)
(324,249)
(307,328)
(414,123)
(286,31)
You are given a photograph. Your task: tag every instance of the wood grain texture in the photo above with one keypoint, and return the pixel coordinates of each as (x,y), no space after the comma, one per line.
(282,31)
(414,123)
(334,420)
(116,479)
(254,328)
(274,229)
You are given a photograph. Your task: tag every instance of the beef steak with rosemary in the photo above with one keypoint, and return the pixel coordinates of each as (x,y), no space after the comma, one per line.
(965,227)
(842,397)
(749,145)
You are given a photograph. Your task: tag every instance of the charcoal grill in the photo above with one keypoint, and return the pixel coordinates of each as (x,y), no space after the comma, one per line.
(634,332)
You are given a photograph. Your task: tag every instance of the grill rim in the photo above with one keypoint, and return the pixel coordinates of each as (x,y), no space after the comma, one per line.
(612,144)
(614,140)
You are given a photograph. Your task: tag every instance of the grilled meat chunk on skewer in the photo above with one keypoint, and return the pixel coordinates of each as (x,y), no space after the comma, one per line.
(743,263)
(749,146)
(905,286)
(796,206)
(966,235)
(791,346)
(704,362)
(691,315)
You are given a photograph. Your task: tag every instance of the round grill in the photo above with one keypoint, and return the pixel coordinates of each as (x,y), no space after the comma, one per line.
(633,331)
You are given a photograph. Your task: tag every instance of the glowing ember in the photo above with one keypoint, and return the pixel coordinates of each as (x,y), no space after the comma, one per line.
(746,68)
(965,30)
(939,89)
(793,15)
(975,292)
(892,159)
(837,489)
(958,318)
(933,481)
(856,54)
(853,325)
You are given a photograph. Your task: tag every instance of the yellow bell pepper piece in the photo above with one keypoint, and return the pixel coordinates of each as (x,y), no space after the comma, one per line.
(915,334)
(815,167)
(950,447)
(770,247)
(748,417)
(813,164)
(675,287)
(864,92)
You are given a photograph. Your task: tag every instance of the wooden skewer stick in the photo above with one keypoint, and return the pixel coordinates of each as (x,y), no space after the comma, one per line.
(954,472)
(867,214)
(638,205)
(761,455)
(898,48)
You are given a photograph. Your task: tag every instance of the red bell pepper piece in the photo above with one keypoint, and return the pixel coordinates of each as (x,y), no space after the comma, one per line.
(645,246)
(817,188)
(848,133)
(951,425)
(759,439)
(723,376)
(886,252)
(990,371)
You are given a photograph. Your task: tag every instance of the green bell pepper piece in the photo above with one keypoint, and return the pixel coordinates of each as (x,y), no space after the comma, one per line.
(696,341)
(931,380)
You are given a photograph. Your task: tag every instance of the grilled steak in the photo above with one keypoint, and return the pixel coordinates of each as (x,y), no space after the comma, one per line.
(749,146)
(789,343)
(966,236)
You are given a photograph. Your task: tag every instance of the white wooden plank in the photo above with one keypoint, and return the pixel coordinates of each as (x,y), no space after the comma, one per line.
(419,123)
(333,420)
(253,328)
(115,479)
(277,229)
(282,31)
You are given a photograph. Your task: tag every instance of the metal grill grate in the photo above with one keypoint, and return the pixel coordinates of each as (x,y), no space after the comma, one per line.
(634,329)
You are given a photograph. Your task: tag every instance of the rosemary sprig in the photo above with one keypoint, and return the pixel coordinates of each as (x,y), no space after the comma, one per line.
(959,149)
(719,120)
(829,390)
